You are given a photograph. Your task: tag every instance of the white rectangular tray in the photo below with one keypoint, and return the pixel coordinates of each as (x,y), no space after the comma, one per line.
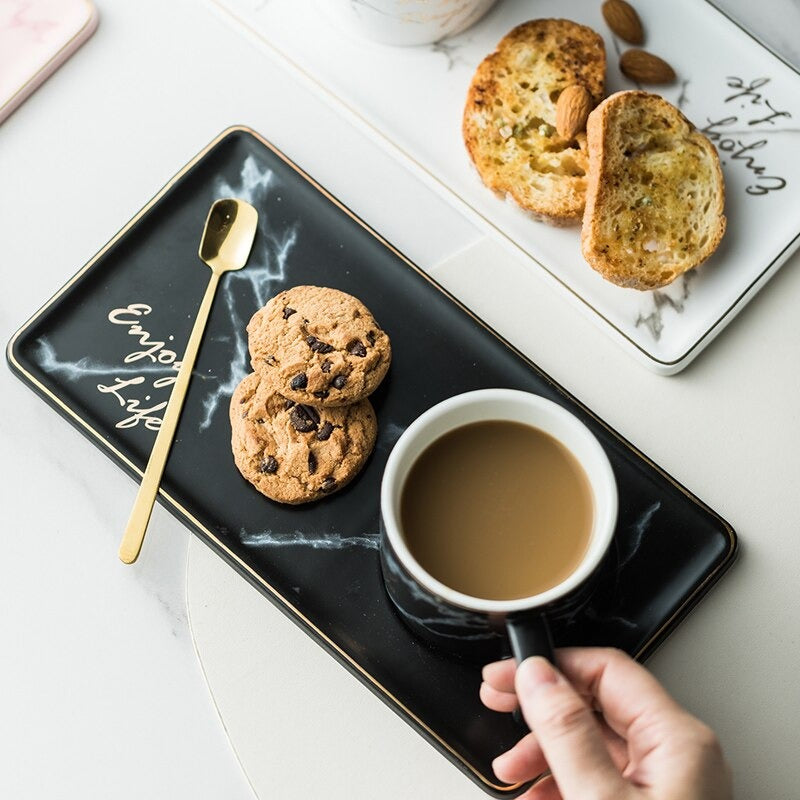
(742,94)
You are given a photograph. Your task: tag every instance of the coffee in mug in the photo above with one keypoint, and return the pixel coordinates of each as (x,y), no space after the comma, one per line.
(498,510)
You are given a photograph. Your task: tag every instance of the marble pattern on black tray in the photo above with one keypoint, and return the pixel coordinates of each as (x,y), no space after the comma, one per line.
(104,353)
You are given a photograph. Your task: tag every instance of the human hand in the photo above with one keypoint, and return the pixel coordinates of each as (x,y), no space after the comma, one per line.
(640,746)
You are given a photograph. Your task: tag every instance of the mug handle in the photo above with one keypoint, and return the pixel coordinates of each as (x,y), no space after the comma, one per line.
(529,635)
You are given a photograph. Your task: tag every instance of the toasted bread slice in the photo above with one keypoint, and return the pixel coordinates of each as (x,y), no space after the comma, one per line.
(654,207)
(509,124)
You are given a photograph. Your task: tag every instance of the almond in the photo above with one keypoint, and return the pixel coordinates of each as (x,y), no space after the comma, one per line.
(622,18)
(572,109)
(644,67)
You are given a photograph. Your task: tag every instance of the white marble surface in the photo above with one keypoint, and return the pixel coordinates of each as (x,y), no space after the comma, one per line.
(103,696)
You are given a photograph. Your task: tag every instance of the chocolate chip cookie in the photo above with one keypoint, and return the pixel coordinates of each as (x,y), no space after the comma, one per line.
(319,346)
(294,453)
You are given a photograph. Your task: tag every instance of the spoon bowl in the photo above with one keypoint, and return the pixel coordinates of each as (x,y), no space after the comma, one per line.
(228,235)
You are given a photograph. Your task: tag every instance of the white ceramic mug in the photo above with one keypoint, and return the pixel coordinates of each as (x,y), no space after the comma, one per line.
(469,625)
(407,22)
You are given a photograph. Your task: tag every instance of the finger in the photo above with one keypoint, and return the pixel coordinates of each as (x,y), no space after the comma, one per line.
(525,759)
(617,747)
(523,762)
(545,789)
(497,701)
(627,693)
(682,746)
(658,731)
(500,674)
(567,732)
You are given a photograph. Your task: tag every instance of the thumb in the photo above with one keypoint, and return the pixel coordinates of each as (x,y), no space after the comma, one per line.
(567,732)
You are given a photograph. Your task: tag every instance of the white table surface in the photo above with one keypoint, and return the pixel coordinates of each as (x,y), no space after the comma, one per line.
(102,693)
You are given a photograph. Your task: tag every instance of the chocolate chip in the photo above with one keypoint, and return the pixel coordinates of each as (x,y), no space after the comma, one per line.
(287,312)
(371,337)
(300,381)
(325,366)
(271,360)
(243,400)
(287,404)
(318,346)
(339,381)
(324,433)
(312,463)
(244,414)
(261,420)
(304,418)
(328,485)
(356,348)
(322,394)
(269,465)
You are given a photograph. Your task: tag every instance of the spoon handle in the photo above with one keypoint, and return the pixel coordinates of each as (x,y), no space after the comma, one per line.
(143,507)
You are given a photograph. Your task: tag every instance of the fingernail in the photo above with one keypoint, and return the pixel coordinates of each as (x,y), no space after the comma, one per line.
(534,672)
(497,764)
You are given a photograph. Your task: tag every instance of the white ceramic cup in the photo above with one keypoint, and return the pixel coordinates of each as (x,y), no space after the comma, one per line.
(407,22)
(420,595)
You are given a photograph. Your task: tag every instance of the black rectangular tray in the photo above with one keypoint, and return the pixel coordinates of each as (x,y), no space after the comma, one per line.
(319,563)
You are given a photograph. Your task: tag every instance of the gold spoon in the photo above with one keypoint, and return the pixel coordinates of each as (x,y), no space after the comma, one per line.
(227,240)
